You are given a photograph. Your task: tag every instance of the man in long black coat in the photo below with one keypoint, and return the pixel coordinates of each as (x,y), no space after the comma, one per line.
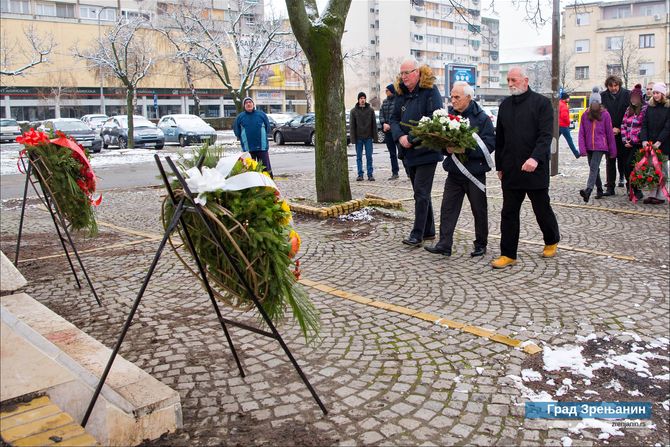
(523,144)
(616,100)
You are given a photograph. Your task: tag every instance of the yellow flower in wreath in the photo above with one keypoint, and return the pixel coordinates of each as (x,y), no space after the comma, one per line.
(294,241)
(287,212)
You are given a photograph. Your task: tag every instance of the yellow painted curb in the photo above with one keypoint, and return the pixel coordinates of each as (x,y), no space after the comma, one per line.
(444,322)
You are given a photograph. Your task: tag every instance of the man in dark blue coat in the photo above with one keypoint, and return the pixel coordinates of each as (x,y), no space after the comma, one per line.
(416,97)
(524,131)
(472,182)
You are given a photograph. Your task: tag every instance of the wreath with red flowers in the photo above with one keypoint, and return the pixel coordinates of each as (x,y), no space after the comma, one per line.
(647,170)
(64,166)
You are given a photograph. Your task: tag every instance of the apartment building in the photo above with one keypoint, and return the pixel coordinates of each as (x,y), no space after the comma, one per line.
(628,38)
(67,87)
(379,34)
(535,60)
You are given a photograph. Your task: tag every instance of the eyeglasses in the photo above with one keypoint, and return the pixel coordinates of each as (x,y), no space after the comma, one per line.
(407,72)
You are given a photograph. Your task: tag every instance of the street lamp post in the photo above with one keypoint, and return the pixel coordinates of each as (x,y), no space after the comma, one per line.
(102,77)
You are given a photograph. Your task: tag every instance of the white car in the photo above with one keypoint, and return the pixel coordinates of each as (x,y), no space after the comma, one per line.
(9,130)
(95,121)
(492,113)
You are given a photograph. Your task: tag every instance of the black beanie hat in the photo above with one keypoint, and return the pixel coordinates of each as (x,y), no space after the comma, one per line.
(391,88)
(361,95)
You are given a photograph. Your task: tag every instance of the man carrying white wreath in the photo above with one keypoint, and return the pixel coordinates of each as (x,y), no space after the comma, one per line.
(466,178)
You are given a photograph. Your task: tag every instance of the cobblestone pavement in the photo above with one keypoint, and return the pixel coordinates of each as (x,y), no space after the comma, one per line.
(385,377)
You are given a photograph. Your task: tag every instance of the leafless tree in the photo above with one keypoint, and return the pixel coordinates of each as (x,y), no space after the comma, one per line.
(565,66)
(62,85)
(625,60)
(320,36)
(126,52)
(254,44)
(33,46)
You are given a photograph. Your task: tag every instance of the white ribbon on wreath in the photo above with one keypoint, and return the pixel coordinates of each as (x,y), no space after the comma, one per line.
(465,172)
(210,180)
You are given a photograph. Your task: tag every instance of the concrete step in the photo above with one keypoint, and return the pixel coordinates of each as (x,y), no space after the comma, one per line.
(11,279)
(40,422)
(43,354)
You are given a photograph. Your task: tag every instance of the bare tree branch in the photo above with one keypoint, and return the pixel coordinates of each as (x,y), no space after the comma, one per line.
(40,48)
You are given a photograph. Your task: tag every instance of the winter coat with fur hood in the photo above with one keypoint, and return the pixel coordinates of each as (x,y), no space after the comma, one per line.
(412,106)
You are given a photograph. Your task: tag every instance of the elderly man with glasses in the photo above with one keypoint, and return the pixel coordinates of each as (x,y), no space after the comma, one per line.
(416,97)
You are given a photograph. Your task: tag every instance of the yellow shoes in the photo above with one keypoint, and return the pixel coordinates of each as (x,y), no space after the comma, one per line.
(502,262)
(549,251)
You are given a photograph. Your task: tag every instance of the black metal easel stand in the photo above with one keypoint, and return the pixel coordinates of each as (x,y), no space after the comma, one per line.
(57,218)
(180,208)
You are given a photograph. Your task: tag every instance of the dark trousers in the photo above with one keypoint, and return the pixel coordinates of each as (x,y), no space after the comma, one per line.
(612,164)
(510,218)
(455,188)
(422,184)
(393,152)
(262,157)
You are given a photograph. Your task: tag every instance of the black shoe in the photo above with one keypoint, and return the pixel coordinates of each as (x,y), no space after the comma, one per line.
(599,194)
(394,177)
(371,179)
(412,241)
(436,249)
(359,178)
(429,238)
(586,194)
(478,251)
(620,183)
(609,192)
(638,194)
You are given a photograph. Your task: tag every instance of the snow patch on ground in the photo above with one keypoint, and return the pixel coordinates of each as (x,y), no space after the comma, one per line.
(362,215)
(606,428)
(529,394)
(530,375)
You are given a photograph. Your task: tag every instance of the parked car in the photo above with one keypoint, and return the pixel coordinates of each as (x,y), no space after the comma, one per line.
(298,129)
(489,112)
(186,129)
(115,132)
(282,118)
(273,126)
(76,129)
(9,130)
(94,121)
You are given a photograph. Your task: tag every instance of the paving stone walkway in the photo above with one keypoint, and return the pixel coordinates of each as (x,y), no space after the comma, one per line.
(386,377)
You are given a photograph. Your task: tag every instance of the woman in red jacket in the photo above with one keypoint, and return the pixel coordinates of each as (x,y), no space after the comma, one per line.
(564,122)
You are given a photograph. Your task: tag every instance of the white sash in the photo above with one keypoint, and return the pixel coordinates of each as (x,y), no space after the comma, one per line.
(465,172)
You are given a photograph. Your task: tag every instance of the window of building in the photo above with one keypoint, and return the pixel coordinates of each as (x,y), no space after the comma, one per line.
(45,9)
(583,18)
(614,69)
(65,10)
(127,14)
(431,38)
(582,46)
(418,37)
(249,19)
(372,25)
(614,43)
(15,6)
(91,12)
(647,41)
(621,12)
(582,72)
(372,9)
(647,69)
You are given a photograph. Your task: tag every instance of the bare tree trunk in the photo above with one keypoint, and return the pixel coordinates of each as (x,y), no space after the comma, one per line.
(191,86)
(322,45)
(130,93)
(332,170)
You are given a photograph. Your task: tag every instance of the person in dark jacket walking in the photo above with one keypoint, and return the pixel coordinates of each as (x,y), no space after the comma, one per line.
(252,128)
(523,143)
(616,100)
(417,96)
(458,184)
(656,128)
(363,125)
(385,121)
